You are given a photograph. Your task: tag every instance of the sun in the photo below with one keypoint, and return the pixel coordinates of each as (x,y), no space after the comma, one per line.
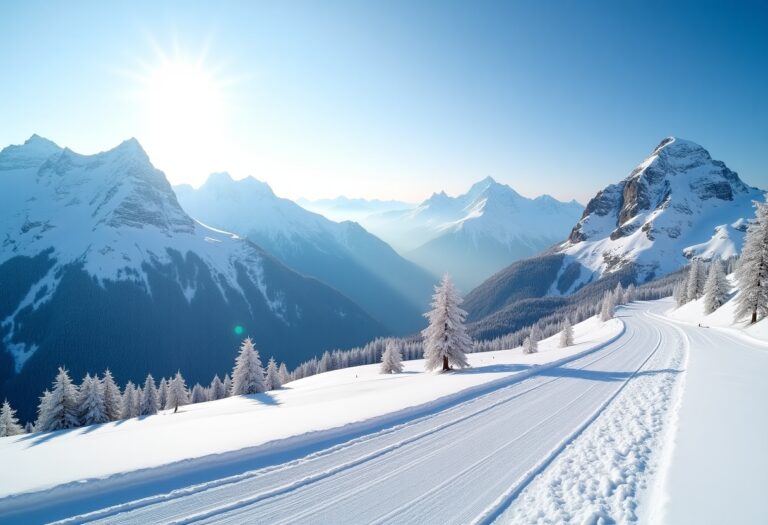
(184,116)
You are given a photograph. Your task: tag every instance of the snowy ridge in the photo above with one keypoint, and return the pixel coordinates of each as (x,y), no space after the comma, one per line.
(678,203)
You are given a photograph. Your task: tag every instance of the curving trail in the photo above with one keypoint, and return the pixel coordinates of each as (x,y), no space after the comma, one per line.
(468,463)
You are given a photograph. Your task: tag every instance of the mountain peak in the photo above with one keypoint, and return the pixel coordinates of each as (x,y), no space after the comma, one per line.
(31,154)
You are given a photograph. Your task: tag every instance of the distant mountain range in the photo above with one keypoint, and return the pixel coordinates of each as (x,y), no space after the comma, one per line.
(478,233)
(677,204)
(393,290)
(346,209)
(100,267)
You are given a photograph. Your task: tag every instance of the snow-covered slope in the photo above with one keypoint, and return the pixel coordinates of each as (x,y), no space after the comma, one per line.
(393,290)
(476,234)
(100,267)
(677,204)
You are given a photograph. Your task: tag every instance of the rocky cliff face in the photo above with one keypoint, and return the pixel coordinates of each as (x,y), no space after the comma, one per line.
(677,198)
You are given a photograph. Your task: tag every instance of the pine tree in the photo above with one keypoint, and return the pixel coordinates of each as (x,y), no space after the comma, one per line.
(531,343)
(607,307)
(716,287)
(752,270)
(9,424)
(566,335)
(227,385)
(272,379)
(129,402)
(216,390)
(391,359)
(58,408)
(285,376)
(695,285)
(150,402)
(177,393)
(679,293)
(92,410)
(248,375)
(113,401)
(445,339)
(198,394)
(162,394)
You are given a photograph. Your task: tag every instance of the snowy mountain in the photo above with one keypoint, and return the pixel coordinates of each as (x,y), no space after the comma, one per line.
(343,255)
(677,204)
(477,233)
(346,209)
(101,267)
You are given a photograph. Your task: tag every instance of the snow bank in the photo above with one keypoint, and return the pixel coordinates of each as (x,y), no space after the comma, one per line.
(302,408)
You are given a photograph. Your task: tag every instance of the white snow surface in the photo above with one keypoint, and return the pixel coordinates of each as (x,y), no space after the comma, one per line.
(683,217)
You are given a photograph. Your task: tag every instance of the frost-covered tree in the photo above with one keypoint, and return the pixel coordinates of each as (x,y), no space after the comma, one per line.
(752,270)
(177,393)
(325,363)
(566,335)
(91,402)
(113,401)
(9,424)
(150,400)
(216,390)
(285,376)
(679,293)
(248,375)
(716,287)
(272,379)
(58,408)
(227,385)
(29,427)
(607,307)
(198,394)
(446,342)
(391,359)
(696,277)
(531,343)
(162,393)
(130,408)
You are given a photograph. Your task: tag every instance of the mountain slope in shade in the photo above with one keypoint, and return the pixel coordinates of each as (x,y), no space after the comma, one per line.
(100,267)
(476,234)
(677,204)
(363,267)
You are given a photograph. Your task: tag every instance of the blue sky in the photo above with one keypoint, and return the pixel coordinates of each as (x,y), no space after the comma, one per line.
(393,99)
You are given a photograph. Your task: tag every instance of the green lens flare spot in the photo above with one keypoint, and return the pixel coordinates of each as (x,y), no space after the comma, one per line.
(239,330)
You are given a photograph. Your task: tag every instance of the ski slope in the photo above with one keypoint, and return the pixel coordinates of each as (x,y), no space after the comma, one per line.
(618,433)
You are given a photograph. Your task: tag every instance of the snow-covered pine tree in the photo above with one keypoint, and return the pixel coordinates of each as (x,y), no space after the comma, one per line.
(716,287)
(58,408)
(177,393)
(391,359)
(29,427)
(129,402)
(607,307)
(752,270)
(324,364)
(531,343)
(272,379)
(198,394)
(113,401)
(216,390)
(285,376)
(150,400)
(227,385)
(446,342)
(566,335)
(91,402)
(248,375)
(162,393)
(679,293)
(695,285)
(9,424)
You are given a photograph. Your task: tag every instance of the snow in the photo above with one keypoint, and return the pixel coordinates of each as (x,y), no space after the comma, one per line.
(683,218)
(302,408)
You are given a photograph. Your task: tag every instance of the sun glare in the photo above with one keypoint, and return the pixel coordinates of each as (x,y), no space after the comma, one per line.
(184,117)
